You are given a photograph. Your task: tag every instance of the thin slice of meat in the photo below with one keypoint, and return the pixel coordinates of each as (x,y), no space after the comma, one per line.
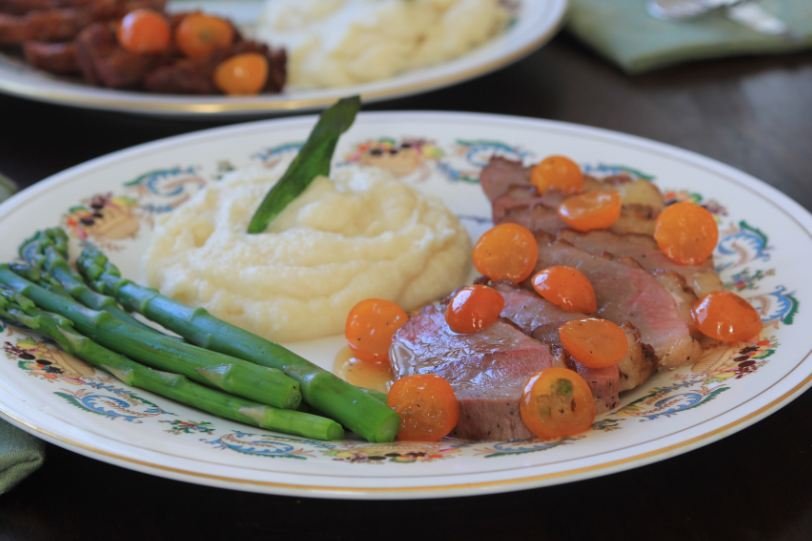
(277,69)
(680,292)
(501,175)
(532,314)
(532,214)
(639,364)
(20,7)
(487,370)
(183,76)
(604,384)
(102,7)
(627,293)
(104,62)
(541,319)
(65,23)
(187,76)
(701,279)
(58,58)
(48,25)
(514,199)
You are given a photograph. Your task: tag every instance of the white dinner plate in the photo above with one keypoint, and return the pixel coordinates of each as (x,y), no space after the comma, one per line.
(762,237)
(533,23)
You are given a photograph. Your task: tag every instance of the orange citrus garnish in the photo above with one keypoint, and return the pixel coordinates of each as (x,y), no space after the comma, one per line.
(686,233)
(474,308)
(567,288)
(427,406)
(144,31)
(726,317)
(506,252)
(557,402)
(598,209)
(198,35)
(557,173)
(242,74)
(595,343)
(370,326)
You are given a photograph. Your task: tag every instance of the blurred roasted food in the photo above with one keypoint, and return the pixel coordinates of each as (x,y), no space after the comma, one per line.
(138,45)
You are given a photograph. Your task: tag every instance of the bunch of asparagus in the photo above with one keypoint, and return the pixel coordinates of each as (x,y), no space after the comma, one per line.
(240,375)
(256,381)
(22,311)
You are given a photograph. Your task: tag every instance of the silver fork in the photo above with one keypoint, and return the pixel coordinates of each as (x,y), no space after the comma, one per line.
(674,10)
(746,12)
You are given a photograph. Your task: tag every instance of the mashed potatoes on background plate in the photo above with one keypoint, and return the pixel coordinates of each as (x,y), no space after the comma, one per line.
(361,234)
(346,42)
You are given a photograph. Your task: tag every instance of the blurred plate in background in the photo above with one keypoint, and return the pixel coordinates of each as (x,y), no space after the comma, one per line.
(535,23)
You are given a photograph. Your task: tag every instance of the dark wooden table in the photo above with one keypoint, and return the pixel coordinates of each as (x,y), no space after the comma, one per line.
(752,113)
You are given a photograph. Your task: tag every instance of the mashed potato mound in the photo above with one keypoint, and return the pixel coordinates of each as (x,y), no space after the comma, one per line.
(346,42)
(363,234)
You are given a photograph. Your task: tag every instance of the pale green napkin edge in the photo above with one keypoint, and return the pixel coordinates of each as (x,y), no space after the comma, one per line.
(7,188)
(21,454)
(690,54)
(637,62)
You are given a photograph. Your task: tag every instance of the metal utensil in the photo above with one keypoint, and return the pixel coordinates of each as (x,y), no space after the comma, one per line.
(746,12)
(675,10)
(755,17)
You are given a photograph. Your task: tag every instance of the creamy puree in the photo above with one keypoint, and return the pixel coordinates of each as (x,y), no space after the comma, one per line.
(362,234)
(346,42)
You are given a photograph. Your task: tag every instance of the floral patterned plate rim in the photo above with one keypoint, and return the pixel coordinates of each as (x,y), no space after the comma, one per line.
(115,199)
(532,25)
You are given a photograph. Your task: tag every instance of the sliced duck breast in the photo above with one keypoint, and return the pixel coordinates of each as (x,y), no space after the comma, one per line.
(487,370)
(627,293)
(701,279)
(514,199)
(541,319)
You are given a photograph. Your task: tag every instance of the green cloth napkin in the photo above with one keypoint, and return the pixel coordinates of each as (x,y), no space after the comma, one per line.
(6,188)
(624,32)
(20,454)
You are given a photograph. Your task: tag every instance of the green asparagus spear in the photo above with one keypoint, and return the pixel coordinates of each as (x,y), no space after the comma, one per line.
(22,311)
(313,160)
(360,411)
(47,252)
(236,376)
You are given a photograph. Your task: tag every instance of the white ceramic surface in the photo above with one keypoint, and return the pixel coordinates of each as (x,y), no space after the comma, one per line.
(762,233)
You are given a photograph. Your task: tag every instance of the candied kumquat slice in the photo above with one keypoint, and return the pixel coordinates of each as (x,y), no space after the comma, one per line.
(427,406)
(474,308)
(567,288)
(198,35)
(726,317)
(686,233)
(506,252)
(242,74)
(144,31)
(598,209)
(370,326)
(595,343)
(557,402)
(557,173)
